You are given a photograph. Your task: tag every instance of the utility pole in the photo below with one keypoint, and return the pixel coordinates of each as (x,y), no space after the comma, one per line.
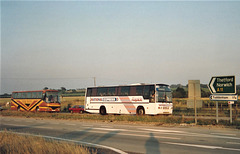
(195,104)
(94,79)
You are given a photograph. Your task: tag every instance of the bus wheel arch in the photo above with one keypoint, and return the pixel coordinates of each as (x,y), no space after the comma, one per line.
(140,110)
(103,110)
(37,109)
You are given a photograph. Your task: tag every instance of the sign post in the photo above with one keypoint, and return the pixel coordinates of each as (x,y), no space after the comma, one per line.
(217,112)
(230,113)
(195,105)
(230,103)
(223,88)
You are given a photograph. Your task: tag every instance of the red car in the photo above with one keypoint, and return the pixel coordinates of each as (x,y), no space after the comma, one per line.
(76,109)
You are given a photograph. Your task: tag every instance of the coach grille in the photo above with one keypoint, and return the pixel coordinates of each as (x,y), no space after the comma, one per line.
(54,107)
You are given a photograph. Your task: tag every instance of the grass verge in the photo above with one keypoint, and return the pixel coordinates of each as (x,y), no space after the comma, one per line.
(14,143)
(157,120)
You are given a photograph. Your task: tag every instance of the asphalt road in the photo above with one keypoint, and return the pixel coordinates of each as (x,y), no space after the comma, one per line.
(131,138)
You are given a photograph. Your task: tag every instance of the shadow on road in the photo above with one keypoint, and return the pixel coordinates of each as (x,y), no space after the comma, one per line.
(152,145)
(75,135)
(107,136)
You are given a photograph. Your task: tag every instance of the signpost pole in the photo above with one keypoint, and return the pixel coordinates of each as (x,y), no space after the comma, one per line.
(217,112)
(230,113)
(195,105)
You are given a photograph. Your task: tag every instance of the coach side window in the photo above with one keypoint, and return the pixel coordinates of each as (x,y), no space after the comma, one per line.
(24,95)
(39,95)
(102,91)
(29,95)
(89,92)
(18,95)
(146,92)
(125,91)
(34,95)
(111,91)
(139,90)
(14,95)
(94,92)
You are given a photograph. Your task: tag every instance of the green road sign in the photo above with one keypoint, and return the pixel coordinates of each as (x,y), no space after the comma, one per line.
(222,85)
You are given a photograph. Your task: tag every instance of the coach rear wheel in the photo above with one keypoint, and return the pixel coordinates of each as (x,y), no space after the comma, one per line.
(140,111)
(18,108)
(102,110)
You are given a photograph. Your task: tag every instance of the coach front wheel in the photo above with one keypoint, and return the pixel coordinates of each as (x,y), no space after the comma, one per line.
(102,110)
(37,109)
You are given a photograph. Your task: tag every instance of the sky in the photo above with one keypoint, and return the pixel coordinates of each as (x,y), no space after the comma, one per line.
(67,43)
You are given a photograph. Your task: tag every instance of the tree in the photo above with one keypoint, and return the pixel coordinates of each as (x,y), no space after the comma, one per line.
(205,93)
(179,93)
(45,88)
(63,89)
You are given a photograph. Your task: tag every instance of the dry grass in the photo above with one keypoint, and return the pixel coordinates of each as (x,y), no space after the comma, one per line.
(3,101)
(70,101)
(21,144)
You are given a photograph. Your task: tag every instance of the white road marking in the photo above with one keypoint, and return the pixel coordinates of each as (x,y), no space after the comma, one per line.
(232,143)
(129,134)
(202,146)
(80,142)
(56,123)
(106,126)
(87,125)
(161,137)
(165,131)
(17,119)
(15,125)
(2,119)
(45,127)
(28,126)
(193,145)
(42,122)
(182,133)
(223,134)
(109,129)
(70,124)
